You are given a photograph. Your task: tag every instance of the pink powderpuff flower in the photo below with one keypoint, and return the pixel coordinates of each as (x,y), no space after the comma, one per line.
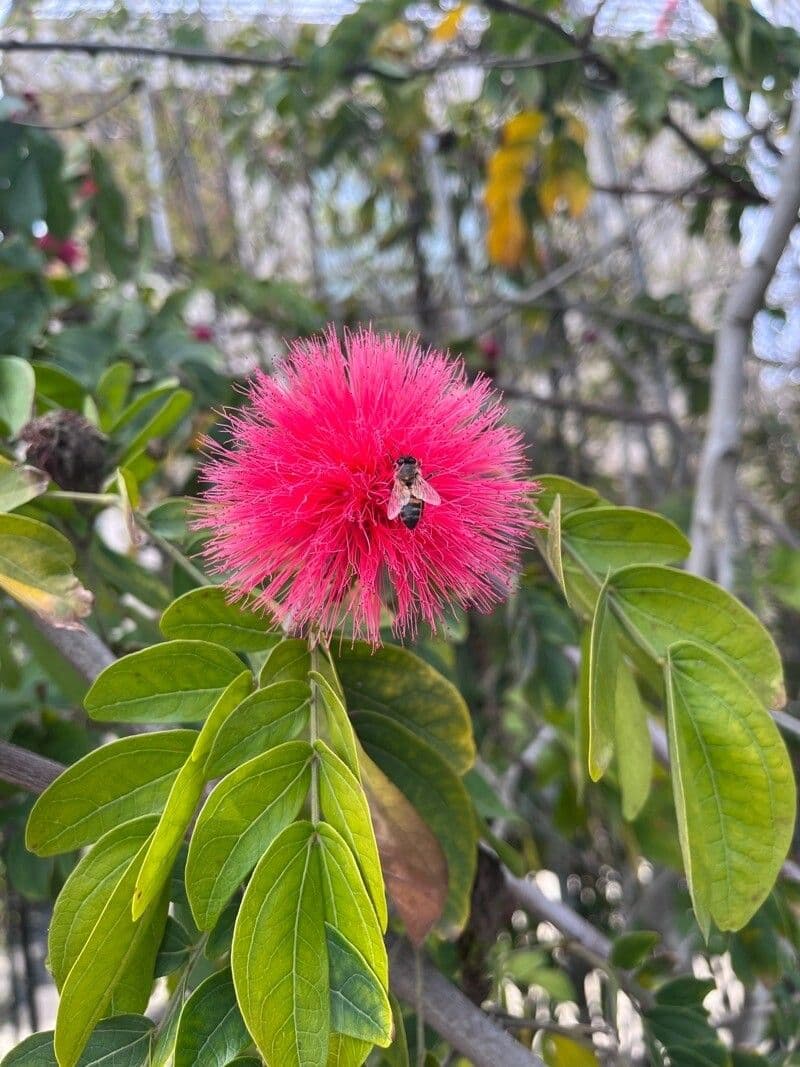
(298,503)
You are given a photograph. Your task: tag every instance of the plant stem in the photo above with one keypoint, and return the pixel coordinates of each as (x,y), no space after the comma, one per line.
(170,550)
(100,499)
(313,734)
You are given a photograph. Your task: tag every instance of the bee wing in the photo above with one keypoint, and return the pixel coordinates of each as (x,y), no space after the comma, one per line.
(401,495)
(422,491)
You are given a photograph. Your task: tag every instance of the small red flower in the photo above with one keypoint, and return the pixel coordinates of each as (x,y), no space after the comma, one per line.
(68,250)
(88,188)
(203,332)
(298,503)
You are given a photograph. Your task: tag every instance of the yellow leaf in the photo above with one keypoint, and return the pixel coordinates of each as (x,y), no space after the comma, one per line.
(560,1051)
(35,569)
(523,128)
(506,237)
(449,26)
(570,189)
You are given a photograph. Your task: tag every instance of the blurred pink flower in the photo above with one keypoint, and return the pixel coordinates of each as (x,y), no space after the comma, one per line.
(68,250)
(203,332)
(297,502)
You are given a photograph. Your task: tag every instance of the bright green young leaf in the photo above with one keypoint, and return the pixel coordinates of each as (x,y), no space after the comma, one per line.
(345,1051)
(279,950)
(103,960)
(396,684)
(359,1002)
(19,484)
(211,1031)
(573,495)
(340,731)
(629,950)
(177,681)
(123,1041)
(36,569)
(733,786)
(664,606)
(348,907)
(438,794)
(184,796)
(206,614)
(344,806)
(266,718)
(604,658)
(118,781)
(17,386)
(87,889)
(633,747)
(607,538)
(289,661)
(241,817)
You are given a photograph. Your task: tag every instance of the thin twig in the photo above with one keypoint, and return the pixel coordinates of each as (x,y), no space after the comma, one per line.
(109,104)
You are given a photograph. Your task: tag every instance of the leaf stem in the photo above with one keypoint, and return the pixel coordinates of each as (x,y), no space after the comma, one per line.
(170,550)
(313,734)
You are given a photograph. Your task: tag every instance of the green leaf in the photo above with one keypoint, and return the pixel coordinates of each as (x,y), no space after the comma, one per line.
(604,658)
(35,1051)
(344,806)
(241,817)
(17,388)
(339,728)
(348,907)
(397,685)
(174,950)
(629,950)
(607,538)
(632,744)
(289,661)
(359,1002)
(19,484)
(122,780)
(561,1051)
(553,545)
(278,951)
(664,606)
(177,681)
(183,799)
(36,569)
(207,615)
(733,786)
(439,796)
(211,1031)
(112,391)
(87,889)
(164,419)
(103,960)
(573,496)
(123,1041)
(268,717)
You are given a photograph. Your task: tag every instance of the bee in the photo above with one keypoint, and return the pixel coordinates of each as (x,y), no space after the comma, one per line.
(410,492)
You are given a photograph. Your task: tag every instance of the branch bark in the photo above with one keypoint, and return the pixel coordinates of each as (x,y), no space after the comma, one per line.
(451,1014)
(716,492)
